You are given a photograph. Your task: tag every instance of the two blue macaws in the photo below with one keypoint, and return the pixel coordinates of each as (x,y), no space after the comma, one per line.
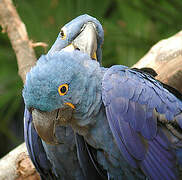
(84,121)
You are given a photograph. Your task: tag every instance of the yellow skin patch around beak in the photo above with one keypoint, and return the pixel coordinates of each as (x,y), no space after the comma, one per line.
(70,104)
(69,48)
(94,56)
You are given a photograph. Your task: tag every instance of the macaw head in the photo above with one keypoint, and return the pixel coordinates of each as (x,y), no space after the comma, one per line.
(83,33)
(61,89)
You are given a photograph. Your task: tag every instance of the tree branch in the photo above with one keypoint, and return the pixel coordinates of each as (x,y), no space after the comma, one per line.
(16,164)
(165,58)
(15,28)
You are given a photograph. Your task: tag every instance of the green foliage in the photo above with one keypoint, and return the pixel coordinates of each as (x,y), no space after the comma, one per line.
(131,28)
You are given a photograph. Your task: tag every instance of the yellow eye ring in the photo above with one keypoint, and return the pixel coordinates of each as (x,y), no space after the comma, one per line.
(63,35)
(63,89)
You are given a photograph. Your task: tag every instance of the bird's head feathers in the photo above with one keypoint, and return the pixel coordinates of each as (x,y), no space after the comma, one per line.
(63,71)
(84,33)
(61,80)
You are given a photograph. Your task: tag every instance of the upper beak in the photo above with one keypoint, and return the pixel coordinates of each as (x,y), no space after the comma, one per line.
(86,41)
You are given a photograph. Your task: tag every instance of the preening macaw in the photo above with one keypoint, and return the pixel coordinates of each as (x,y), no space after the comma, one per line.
(83,33)
(133,122)
(54,152)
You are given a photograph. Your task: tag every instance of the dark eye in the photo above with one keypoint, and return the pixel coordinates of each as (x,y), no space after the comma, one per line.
(63,35)
(63,89)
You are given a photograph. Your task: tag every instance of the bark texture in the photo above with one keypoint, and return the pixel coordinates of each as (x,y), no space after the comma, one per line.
(15,28)
(17,164)
(166,59)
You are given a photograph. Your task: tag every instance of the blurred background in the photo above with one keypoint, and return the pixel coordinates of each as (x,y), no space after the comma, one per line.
(131,28)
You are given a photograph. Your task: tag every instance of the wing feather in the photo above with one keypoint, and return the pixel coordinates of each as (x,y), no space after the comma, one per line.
(116,133)
(133,102)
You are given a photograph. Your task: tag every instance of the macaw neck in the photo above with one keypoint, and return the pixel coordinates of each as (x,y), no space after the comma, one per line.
(90,102)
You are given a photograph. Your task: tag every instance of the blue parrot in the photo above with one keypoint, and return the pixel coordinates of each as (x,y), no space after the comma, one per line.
(131,120)
(57,158)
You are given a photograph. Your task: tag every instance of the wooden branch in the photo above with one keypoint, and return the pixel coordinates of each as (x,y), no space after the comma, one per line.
(16,164)
(165,58)
(15,28)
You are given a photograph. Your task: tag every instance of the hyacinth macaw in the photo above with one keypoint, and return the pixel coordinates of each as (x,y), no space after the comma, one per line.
(61,161)
(132,121)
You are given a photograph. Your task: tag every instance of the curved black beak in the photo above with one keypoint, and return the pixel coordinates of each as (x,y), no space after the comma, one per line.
(45,123)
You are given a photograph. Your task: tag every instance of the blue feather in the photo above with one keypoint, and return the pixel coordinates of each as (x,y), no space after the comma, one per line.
(142,100)
(133,139)
(115,130)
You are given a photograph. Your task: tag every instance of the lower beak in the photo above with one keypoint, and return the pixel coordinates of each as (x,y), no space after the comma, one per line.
(86,41)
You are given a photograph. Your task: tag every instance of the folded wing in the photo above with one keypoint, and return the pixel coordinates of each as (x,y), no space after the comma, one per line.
(140,111)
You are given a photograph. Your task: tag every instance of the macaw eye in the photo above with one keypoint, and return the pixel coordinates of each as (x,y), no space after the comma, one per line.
(63,89)
(63,35)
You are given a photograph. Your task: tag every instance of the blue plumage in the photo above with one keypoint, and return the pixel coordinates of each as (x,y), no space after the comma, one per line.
(73,29)
(142,116)
(59,161)
(118,111)
(127,124)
